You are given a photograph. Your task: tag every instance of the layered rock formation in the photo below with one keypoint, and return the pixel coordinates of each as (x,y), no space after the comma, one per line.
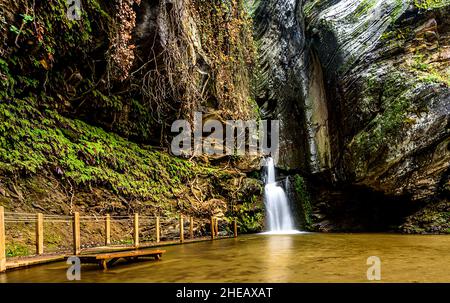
(389,63)
(373,98)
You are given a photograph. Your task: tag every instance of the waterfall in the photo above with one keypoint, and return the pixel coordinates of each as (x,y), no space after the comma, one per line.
(279,216)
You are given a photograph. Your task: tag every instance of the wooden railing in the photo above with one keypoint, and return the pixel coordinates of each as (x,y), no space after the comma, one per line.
(76,220)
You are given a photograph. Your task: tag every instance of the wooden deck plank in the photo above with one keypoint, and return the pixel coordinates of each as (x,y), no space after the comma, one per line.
(146,245)
(105,260)
(30,261)
(125,254)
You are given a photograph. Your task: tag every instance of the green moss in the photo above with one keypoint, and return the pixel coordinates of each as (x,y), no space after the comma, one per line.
(249,209)
(254,105)
(430,4)
(427,73)
(250,218)
(309,6)
(435,77)
(363,8)
(16,250)
(420,64)
(124,242)
(68,60)
(399,34)
(31,140)
(53,239)
(396,105)
(390,103)
(53,39)
(305,200)
(397,11)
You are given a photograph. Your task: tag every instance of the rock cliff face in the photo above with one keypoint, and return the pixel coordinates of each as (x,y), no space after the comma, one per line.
(280,75)
(86,108)
(361,88)
(371,80)
(290,85)
(194,55)
(389,64)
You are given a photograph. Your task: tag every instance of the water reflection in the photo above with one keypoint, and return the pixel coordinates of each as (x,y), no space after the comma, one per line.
(275,258)
(280,256)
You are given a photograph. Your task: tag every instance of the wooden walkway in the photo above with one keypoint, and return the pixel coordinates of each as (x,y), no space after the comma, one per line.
(75,219)
(23,262)
(111,248)
(106,260)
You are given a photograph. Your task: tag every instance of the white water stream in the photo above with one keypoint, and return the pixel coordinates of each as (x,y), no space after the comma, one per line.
(279,216)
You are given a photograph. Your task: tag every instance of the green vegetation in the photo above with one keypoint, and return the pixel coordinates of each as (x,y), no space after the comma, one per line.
(124,242)
(31,140)
(304,199)
(54,239)
(250,218)
(420,64)
(68,65)
(36,141)
(309,6)
(363,8)
(49,37)
(432,219)
(65,113)
(398,10)
(16,250)
(227,39)
(249,211)
(80,65)
(396,35)
(429,74)
(430,4)
(396,102)
(393,94)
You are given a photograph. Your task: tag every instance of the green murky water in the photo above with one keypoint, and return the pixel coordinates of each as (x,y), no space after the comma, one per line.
(263,258)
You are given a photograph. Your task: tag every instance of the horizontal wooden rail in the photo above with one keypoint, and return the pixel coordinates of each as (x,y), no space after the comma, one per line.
(76,219)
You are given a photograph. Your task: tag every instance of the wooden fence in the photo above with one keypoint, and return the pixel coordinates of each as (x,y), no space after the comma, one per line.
(76,221)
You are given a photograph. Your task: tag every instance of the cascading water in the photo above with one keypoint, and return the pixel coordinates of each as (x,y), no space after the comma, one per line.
(279,217)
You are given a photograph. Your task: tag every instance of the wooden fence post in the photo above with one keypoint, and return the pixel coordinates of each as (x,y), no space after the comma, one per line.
(191,228)
(212,228)
(235,228)
(181,229)
(39,234)
(217,227)
(2,240)
(136,230)
(76,234)
(108,230)
(158,233)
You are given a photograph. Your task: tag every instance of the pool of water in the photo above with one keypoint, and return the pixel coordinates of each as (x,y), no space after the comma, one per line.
(275,258)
